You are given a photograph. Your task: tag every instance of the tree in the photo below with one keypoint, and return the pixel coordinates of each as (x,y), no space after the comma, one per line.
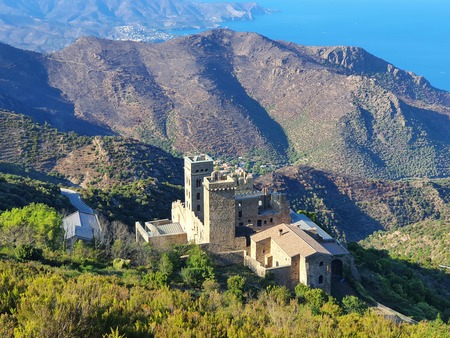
(27,252)
(300,291)
(199,267)
(36,224)
(166,266)
(235,286)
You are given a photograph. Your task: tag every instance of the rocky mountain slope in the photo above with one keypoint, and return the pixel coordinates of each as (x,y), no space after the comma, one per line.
(48,25)
(125,179)
(353,208)
(241,94)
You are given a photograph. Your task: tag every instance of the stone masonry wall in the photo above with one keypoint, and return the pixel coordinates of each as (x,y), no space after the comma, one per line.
(219,213)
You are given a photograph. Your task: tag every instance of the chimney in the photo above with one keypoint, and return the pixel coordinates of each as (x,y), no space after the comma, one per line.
(280,232)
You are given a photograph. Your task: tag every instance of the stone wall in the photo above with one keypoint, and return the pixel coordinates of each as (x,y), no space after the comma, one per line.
(280,258)
(196,168)
(254,265)
(219,213)
(141,234)
(159,242)
(319,265)
(260,210)
(193,227)
(281,276)
(260,249)
(167,241)
(228,258)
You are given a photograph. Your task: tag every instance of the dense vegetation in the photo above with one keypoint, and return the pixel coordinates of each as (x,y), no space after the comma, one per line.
(408,288)
(116,287)
(18,191)
(402,268)
(124,179)
(43,301)
(424,243)
(32,145)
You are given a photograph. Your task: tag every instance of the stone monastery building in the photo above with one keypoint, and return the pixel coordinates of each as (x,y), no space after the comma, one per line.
(224,213)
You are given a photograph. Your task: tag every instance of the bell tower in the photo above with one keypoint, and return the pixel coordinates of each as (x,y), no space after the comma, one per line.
(196,168)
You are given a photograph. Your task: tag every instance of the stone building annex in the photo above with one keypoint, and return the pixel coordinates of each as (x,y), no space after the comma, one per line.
(224,213)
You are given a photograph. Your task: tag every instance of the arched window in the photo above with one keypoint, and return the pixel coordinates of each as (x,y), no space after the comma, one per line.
(198,182)
(320,279)
(198,207)
(240,213)
(321,263)
(198,195)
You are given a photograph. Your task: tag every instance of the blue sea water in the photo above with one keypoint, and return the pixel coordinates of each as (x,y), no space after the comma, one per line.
(411,34)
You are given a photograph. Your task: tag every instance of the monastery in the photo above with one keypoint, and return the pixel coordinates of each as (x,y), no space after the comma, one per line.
(224,213)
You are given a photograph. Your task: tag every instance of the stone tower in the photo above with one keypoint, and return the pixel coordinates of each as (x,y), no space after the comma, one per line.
(219,222)
(196,168)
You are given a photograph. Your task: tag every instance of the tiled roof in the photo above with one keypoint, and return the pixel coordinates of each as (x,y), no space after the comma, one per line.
(294,241)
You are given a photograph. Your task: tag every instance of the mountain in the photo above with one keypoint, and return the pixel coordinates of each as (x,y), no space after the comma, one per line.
(123,178)
(354,208)
(340,109)
(48,25)
(130,180)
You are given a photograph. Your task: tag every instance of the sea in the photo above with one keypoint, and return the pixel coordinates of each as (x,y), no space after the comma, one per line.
(412,35)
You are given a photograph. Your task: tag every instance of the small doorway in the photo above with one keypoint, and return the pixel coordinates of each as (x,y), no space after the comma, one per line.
(337,269)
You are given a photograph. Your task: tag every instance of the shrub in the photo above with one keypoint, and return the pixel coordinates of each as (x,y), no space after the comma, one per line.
(353,304)
(27,252)
(120,263)
(199,267)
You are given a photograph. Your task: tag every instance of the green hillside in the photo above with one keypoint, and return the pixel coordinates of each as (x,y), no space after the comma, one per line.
(125,179)
(411,289)
(424,243)
(18,191)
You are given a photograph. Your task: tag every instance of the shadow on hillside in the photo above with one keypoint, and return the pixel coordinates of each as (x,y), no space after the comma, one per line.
(19,170)
(336,209)
(233,89)
(408,288)
(19,191)
(33,95)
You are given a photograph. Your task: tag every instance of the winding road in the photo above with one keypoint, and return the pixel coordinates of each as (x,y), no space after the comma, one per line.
(76,200)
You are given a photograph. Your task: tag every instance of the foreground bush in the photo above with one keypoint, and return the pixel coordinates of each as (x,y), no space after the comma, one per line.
(37,301)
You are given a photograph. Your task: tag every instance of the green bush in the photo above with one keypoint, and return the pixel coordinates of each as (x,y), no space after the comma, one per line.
(353,304)
(199,267)
(27,252)
(235,286)
(120,263)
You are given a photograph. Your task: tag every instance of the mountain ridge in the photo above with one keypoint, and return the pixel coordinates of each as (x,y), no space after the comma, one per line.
(242,94)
